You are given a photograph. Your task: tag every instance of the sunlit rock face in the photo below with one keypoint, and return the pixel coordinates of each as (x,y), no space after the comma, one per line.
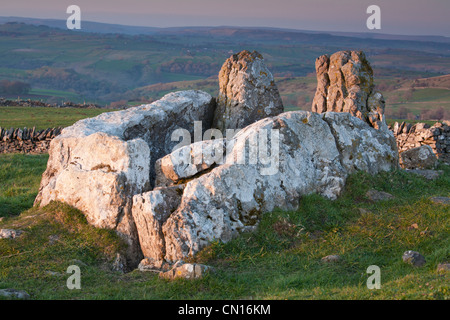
(99,164)
(345,84)
(248,92)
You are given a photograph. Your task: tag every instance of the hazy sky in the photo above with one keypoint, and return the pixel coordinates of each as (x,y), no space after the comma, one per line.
(417,17)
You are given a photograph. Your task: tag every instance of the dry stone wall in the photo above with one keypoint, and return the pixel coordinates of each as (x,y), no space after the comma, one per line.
(411,136)
(23,140)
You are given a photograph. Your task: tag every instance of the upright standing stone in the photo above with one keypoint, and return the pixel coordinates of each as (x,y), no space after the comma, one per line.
(247,92)
(345,84)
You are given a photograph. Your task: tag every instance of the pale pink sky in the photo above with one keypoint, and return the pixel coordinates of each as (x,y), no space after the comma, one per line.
(424,17)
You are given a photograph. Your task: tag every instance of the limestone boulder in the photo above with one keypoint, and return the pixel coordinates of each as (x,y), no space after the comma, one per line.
(345,84)
(150,212)
(247,93)
(269,164)
(421,157)
(323,83)
(99,164)
(14,294)
(10,233)
(188,161)
(414,258)
(361,147)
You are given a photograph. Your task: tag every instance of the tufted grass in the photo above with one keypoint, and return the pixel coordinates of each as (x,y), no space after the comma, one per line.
(281,260)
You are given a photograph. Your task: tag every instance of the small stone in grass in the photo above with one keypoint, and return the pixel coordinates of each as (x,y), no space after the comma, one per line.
(414,258)
(331,258)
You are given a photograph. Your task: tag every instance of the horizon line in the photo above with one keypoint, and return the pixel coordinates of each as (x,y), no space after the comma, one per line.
(241,27)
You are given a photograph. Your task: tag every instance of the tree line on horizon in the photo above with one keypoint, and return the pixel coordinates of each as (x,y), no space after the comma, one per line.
(8,87)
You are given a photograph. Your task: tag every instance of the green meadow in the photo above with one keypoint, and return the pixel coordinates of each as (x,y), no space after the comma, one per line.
(281,260)
(44,117)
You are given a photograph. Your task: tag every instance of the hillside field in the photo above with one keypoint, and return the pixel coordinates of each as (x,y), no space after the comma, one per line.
(102,68)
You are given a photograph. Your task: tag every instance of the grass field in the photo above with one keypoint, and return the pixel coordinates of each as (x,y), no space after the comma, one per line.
(281,260)
(43,117)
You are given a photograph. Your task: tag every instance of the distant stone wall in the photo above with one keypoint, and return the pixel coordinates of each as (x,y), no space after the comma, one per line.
(34,103)
(26,140)
(411,136)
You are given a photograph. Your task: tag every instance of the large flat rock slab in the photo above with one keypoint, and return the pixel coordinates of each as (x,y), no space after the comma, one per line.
(99,164)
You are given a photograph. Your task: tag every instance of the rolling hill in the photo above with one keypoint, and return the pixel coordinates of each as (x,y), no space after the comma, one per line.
(117,63)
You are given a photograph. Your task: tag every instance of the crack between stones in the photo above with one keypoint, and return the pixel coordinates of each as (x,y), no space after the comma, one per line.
(335,137)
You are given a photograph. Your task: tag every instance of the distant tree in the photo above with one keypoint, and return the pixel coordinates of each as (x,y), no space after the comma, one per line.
(402,113)
(409,94)
(121,104)
(14,87)
(433,114)
(303,104)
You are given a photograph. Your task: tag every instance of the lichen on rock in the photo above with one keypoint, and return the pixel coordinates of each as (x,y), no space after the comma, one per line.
(345,84)
(248,92)
(125,171)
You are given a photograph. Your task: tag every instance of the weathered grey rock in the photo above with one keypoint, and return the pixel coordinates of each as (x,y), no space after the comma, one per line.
(414,258)
(309,157)
(14,294)
(231,198)
(10,233)
(427,174)
(361,147)
(120,263)
(186,271)
(375,109)
(150,212)
(151,265)
(247,94)
(323,83)
(188,161)
(418,158)
(345,84)
(375,195)
(52,239)
(98,164)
